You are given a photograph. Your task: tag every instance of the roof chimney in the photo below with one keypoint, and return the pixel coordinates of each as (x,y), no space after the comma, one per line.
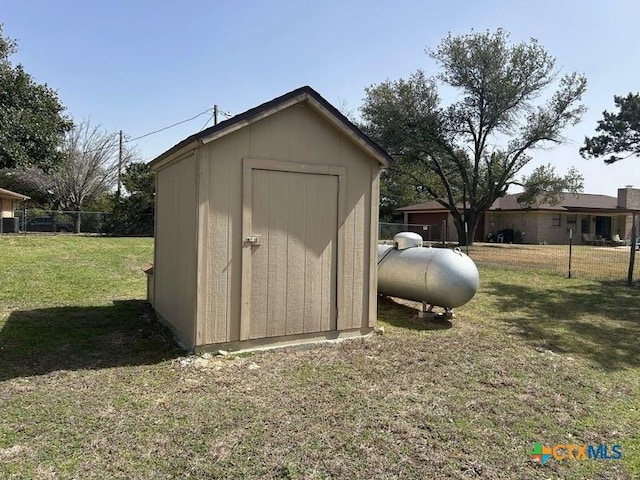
(629,197)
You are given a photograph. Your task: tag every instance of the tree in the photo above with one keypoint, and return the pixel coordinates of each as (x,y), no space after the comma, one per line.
(467,154)
(397,190)
(619,132)
(134,212)
(32,123)
(88,169)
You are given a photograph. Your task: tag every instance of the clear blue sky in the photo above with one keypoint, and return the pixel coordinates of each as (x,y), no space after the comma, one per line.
(141,65)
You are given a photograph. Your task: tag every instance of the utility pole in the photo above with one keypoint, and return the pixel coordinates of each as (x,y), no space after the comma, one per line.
(119,168)
(215,114)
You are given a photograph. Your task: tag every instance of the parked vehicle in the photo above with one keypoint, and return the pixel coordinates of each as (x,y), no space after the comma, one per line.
(48,224)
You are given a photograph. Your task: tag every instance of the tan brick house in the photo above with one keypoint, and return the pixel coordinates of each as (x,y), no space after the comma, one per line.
(588,215)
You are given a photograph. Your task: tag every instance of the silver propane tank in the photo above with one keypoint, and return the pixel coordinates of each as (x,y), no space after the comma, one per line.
(436,276)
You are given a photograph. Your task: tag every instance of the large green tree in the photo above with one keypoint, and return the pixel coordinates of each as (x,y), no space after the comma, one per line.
(468,153)
(32,120)
(618,133)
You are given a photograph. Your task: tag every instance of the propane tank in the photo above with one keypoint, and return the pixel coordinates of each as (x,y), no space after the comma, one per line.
(437,276)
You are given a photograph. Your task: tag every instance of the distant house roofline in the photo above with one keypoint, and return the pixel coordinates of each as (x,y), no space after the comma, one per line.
(302,94)
(571,202)
(4,193)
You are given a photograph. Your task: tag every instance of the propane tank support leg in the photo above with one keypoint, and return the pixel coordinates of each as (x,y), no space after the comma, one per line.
(426,313)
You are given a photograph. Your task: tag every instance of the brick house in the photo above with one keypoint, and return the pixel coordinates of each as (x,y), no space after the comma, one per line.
(588,215)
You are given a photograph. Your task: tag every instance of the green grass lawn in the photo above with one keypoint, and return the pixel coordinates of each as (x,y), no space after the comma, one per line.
(92,387)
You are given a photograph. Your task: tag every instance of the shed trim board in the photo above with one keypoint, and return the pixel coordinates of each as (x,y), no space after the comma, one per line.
(373,247)
(284,340)
(255,164)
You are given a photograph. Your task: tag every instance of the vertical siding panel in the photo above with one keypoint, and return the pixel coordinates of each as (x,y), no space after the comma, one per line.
(296,241)
(203,324)
(279,133)
(277,275)
(328,222)
(358,259)
(312,272)
(297,134)
(260,139)
(349,236)
(218,240)
(259,254)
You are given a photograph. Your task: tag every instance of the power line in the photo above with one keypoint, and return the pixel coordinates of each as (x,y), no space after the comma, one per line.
(168,127)
(205,124)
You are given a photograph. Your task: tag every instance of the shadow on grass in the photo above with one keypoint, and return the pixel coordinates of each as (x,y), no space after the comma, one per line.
(598,321)
(36,342)
(403,316)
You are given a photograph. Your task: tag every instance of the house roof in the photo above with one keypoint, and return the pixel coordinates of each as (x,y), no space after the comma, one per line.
(569,202)
(418,207)
(4,193)
(302,94)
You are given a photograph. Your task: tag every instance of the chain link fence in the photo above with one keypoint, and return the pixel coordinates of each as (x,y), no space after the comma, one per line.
(101,223)
(37,220)
(576,257)
(429,233)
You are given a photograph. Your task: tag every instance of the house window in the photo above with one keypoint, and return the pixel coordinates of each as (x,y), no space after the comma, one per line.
(584,225)
(555,220)
(572,219)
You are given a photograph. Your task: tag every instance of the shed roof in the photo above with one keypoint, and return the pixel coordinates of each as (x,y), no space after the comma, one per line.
(302,94)
(568,202)
(4,193)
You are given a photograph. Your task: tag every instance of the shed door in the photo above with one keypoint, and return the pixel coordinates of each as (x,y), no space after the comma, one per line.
(289,259)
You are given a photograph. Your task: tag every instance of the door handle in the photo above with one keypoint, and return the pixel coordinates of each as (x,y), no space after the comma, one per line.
(253,240)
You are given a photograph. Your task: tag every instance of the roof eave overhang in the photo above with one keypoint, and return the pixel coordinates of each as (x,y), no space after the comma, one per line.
(9,195)
(176,153)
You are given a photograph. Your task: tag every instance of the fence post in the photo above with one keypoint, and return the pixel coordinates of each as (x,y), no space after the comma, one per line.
(443,233)
(466,237)
(570,248)
(632,253)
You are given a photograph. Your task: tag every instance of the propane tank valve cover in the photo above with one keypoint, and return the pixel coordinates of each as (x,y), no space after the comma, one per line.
(404,240)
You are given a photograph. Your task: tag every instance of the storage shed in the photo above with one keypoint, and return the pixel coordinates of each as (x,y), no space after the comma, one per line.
(8,201)
(266,228)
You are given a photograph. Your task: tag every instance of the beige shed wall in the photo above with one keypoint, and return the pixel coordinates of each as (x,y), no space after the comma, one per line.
(175,247)
(7,207)
(296,134)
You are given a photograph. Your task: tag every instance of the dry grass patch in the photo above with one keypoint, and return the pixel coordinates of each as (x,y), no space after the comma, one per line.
(602,263)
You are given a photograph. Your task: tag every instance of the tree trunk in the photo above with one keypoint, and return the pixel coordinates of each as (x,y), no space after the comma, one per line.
(471,219)
(77,222)
(462,237)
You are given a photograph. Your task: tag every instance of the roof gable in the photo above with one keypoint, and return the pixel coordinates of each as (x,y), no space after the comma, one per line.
(303,94)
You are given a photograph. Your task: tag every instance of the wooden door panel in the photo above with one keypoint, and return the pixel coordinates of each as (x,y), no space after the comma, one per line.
(293,266)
